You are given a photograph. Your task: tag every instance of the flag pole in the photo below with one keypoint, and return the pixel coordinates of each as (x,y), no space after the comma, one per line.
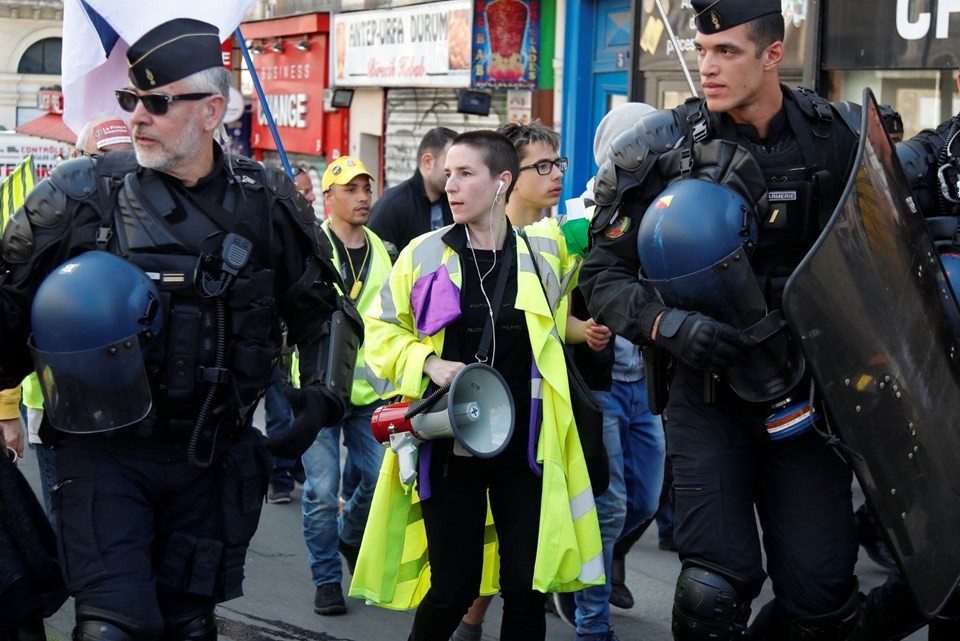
(676,48)
(263,104)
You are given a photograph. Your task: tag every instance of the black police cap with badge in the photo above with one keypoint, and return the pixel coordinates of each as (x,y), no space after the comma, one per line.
(714,16)
(172,51)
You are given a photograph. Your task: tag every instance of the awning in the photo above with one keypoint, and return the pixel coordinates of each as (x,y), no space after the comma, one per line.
(49,126)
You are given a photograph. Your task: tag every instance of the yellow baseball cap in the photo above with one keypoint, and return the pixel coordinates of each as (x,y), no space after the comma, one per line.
(341,171)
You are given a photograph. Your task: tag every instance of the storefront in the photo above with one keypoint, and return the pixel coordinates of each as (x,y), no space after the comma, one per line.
(906,52)
(291,58)
(408,66)
(461,64)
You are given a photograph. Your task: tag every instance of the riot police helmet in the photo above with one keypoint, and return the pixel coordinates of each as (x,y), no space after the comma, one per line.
(692,225)
(92,317)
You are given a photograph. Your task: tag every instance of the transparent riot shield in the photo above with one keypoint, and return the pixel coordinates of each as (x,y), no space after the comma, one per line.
(878,325)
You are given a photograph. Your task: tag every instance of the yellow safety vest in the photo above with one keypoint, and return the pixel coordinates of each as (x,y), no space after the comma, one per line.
(393,567)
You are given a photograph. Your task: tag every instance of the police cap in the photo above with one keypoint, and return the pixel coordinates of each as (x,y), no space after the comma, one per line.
(173,50)
(714,16)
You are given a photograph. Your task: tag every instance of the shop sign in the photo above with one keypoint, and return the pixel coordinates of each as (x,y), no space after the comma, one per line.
(50,100)
(892,34)
(47,154)
(426,45)
(293,82)
(658,53)
(506,44)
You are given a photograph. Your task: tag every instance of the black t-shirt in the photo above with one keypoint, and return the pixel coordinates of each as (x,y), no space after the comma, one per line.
(359,259)
(509,351)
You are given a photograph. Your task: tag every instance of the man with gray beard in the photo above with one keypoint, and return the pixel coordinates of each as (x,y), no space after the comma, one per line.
(151,285)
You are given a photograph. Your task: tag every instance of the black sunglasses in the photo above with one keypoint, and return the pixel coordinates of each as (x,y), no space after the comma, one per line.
(544,167)
(155,103)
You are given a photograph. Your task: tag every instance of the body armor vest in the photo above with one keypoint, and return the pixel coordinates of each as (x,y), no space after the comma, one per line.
(229,337)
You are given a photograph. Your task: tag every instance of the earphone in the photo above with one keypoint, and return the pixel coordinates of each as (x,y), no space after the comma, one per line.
(499,189)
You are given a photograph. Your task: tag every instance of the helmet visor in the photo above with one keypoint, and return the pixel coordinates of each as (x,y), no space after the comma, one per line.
(95,390)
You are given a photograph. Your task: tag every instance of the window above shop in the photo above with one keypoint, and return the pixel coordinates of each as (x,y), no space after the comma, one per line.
(42,57)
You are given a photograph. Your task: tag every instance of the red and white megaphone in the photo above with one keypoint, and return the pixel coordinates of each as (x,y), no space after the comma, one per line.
(476,409)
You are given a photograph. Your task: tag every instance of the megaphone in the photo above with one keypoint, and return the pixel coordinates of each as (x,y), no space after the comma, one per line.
(476,409)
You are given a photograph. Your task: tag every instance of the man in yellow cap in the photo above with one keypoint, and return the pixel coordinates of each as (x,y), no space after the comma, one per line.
(363,262)
(161,482)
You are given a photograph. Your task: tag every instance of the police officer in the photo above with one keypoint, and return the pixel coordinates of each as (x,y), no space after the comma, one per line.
(931,161)
(787,153)
(153,282)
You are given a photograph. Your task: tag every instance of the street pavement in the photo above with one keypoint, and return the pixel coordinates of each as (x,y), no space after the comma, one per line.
(278,600)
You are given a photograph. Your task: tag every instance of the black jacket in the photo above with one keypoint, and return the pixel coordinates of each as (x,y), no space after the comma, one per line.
(403,213)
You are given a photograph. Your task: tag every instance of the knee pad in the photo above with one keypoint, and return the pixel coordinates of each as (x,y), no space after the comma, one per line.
(193,627)
(96,624)
(709,603)
(838,625)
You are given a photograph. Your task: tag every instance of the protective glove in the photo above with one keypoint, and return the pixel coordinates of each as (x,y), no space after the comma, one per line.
(313,409)
(700,341)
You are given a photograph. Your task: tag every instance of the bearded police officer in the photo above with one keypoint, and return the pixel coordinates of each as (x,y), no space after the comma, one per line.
(153,282)
(739,433)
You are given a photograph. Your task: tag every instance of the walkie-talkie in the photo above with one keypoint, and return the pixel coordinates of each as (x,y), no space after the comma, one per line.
(236,253)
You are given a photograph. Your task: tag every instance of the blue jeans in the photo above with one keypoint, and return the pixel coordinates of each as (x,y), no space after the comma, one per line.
(593,603)
(644,451)
(278,415)
(322,528)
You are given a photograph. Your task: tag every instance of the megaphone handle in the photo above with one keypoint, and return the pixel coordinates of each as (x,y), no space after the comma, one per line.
(405,446)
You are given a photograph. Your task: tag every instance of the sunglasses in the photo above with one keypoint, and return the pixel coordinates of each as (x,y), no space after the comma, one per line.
(544,167)
(156,104)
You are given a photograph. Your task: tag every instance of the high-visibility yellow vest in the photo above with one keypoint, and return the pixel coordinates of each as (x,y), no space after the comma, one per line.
(13,192)
(393,567)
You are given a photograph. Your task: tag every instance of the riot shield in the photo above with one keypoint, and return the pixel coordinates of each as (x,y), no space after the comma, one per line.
(879,327)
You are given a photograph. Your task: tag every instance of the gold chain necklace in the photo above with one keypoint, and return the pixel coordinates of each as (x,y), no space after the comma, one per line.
(357,283)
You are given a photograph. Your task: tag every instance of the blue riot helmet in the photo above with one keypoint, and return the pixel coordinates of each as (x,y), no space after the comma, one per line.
(91,319)
(694,242)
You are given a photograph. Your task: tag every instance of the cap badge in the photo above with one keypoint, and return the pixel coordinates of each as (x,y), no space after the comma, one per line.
(149,75)
(715,19)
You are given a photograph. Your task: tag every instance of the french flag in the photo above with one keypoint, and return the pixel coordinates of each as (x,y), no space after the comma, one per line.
(97,34)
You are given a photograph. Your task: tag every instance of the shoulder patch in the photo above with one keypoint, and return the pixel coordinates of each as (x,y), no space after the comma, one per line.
(617,228)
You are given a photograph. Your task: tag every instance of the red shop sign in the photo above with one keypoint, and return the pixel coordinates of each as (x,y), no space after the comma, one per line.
(293,82)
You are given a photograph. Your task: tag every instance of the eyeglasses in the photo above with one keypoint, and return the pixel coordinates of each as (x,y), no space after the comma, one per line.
(155,103)
(544,167)
(299,169)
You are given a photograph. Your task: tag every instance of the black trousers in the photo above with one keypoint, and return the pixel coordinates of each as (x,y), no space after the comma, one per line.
(145,541)
(454,517)
(725,467)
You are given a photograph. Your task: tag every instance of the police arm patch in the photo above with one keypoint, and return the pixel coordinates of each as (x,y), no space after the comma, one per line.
(617,227)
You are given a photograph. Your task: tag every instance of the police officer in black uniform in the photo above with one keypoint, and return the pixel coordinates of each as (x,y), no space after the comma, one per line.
(725,463)
(195,256)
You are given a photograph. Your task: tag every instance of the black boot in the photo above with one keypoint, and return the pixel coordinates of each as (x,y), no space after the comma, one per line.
(620,595)
(31,630)
(889,612)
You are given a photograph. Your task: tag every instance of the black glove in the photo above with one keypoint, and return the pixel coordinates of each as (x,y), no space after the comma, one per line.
(700,341)
(313,409)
